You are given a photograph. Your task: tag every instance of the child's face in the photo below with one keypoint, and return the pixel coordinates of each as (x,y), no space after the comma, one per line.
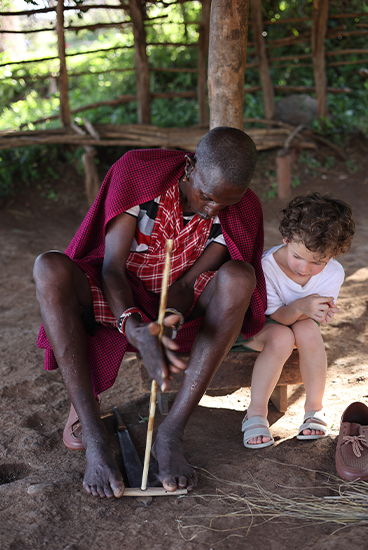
(303,262)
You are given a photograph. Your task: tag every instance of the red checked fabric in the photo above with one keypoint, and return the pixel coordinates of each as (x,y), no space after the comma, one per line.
(189,243)
(140,176)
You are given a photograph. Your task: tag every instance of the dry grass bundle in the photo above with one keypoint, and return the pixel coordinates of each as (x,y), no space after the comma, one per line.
(249,505)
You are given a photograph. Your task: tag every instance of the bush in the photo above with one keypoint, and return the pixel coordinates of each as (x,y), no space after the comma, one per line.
(26,166)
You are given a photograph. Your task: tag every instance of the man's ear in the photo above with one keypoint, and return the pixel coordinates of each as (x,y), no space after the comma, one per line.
(190,163)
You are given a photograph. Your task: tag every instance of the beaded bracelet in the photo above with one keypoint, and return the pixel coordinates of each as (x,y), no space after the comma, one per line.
(124,316)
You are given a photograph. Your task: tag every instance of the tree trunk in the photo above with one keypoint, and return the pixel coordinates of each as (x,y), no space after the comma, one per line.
(141,62)
(319,29)
(267,88)
(65,116)
(202,61)
(226,62)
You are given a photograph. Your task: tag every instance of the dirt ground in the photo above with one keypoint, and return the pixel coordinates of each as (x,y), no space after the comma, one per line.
(42,502)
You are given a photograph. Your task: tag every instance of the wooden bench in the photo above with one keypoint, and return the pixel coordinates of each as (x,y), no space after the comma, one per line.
(235,372)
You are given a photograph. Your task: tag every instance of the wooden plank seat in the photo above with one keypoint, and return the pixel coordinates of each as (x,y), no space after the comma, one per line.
(235,372)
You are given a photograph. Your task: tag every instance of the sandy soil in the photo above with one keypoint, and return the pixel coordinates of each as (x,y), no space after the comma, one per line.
(42,503)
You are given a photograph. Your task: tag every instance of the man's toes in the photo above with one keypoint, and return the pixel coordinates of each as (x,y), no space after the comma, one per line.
(191,482)
(169,484)
(182,482)
(94,491)
(87,488)
(91,489)
(117,489)
(107,492)
(101,491)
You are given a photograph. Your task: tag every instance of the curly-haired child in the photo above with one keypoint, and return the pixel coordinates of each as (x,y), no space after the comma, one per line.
(303,280)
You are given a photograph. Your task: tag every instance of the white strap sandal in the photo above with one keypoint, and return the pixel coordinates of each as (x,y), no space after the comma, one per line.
(317,421)
(257,426)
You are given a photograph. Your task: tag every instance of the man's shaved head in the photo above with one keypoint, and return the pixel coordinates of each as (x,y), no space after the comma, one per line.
(228,151)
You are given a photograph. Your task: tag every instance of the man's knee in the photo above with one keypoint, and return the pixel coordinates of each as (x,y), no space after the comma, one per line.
(238,276)
(46,267)
(54,273)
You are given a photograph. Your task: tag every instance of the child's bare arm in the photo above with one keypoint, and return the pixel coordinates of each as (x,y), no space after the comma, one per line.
(314,307)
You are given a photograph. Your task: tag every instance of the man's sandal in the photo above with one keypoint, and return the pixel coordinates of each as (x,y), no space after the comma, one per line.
(72,435)
(257,426)
(317,421)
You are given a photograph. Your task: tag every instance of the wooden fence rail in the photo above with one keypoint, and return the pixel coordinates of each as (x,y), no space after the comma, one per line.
(142,135)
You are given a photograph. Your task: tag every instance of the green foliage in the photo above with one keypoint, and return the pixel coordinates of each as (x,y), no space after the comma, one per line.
(177,112)
(351,166)
(307,158)
(25,166)
(295,182)
(310,162)
(25,97)
(329,162)
(253,105)
(271,193)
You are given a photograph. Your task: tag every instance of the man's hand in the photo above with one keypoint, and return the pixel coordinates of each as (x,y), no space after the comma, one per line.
(158,356)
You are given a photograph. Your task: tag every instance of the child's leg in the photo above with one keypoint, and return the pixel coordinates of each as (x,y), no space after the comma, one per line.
(312,364)
(275,342)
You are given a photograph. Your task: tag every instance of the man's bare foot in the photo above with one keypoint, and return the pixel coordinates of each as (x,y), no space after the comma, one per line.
(174,470)
(102,478)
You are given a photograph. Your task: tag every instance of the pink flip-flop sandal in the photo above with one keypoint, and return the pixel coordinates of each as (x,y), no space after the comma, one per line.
(72,435)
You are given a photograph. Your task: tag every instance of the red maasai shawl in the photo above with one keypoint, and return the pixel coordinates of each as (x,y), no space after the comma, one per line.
(140,176)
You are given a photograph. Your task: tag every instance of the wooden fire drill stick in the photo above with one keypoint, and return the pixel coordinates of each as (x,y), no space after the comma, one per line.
(152,407)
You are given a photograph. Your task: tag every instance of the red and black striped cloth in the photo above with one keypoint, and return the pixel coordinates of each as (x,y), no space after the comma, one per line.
(140,176)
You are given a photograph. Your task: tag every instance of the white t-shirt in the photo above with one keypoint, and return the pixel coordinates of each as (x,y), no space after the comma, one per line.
(282,291)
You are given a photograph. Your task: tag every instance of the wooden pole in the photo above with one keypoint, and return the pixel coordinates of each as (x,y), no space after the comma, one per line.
(141,62)
(204,30)
(264,71)
(153,492)
(319,29)
(283,171)
(226,62)
(152,409)
(92,179)
(65,116)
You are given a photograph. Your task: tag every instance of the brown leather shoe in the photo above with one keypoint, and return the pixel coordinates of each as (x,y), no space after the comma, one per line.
(352,444)
(72,435)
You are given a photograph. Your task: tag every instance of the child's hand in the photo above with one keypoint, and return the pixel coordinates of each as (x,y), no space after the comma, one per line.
(332,310)
(318,307)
